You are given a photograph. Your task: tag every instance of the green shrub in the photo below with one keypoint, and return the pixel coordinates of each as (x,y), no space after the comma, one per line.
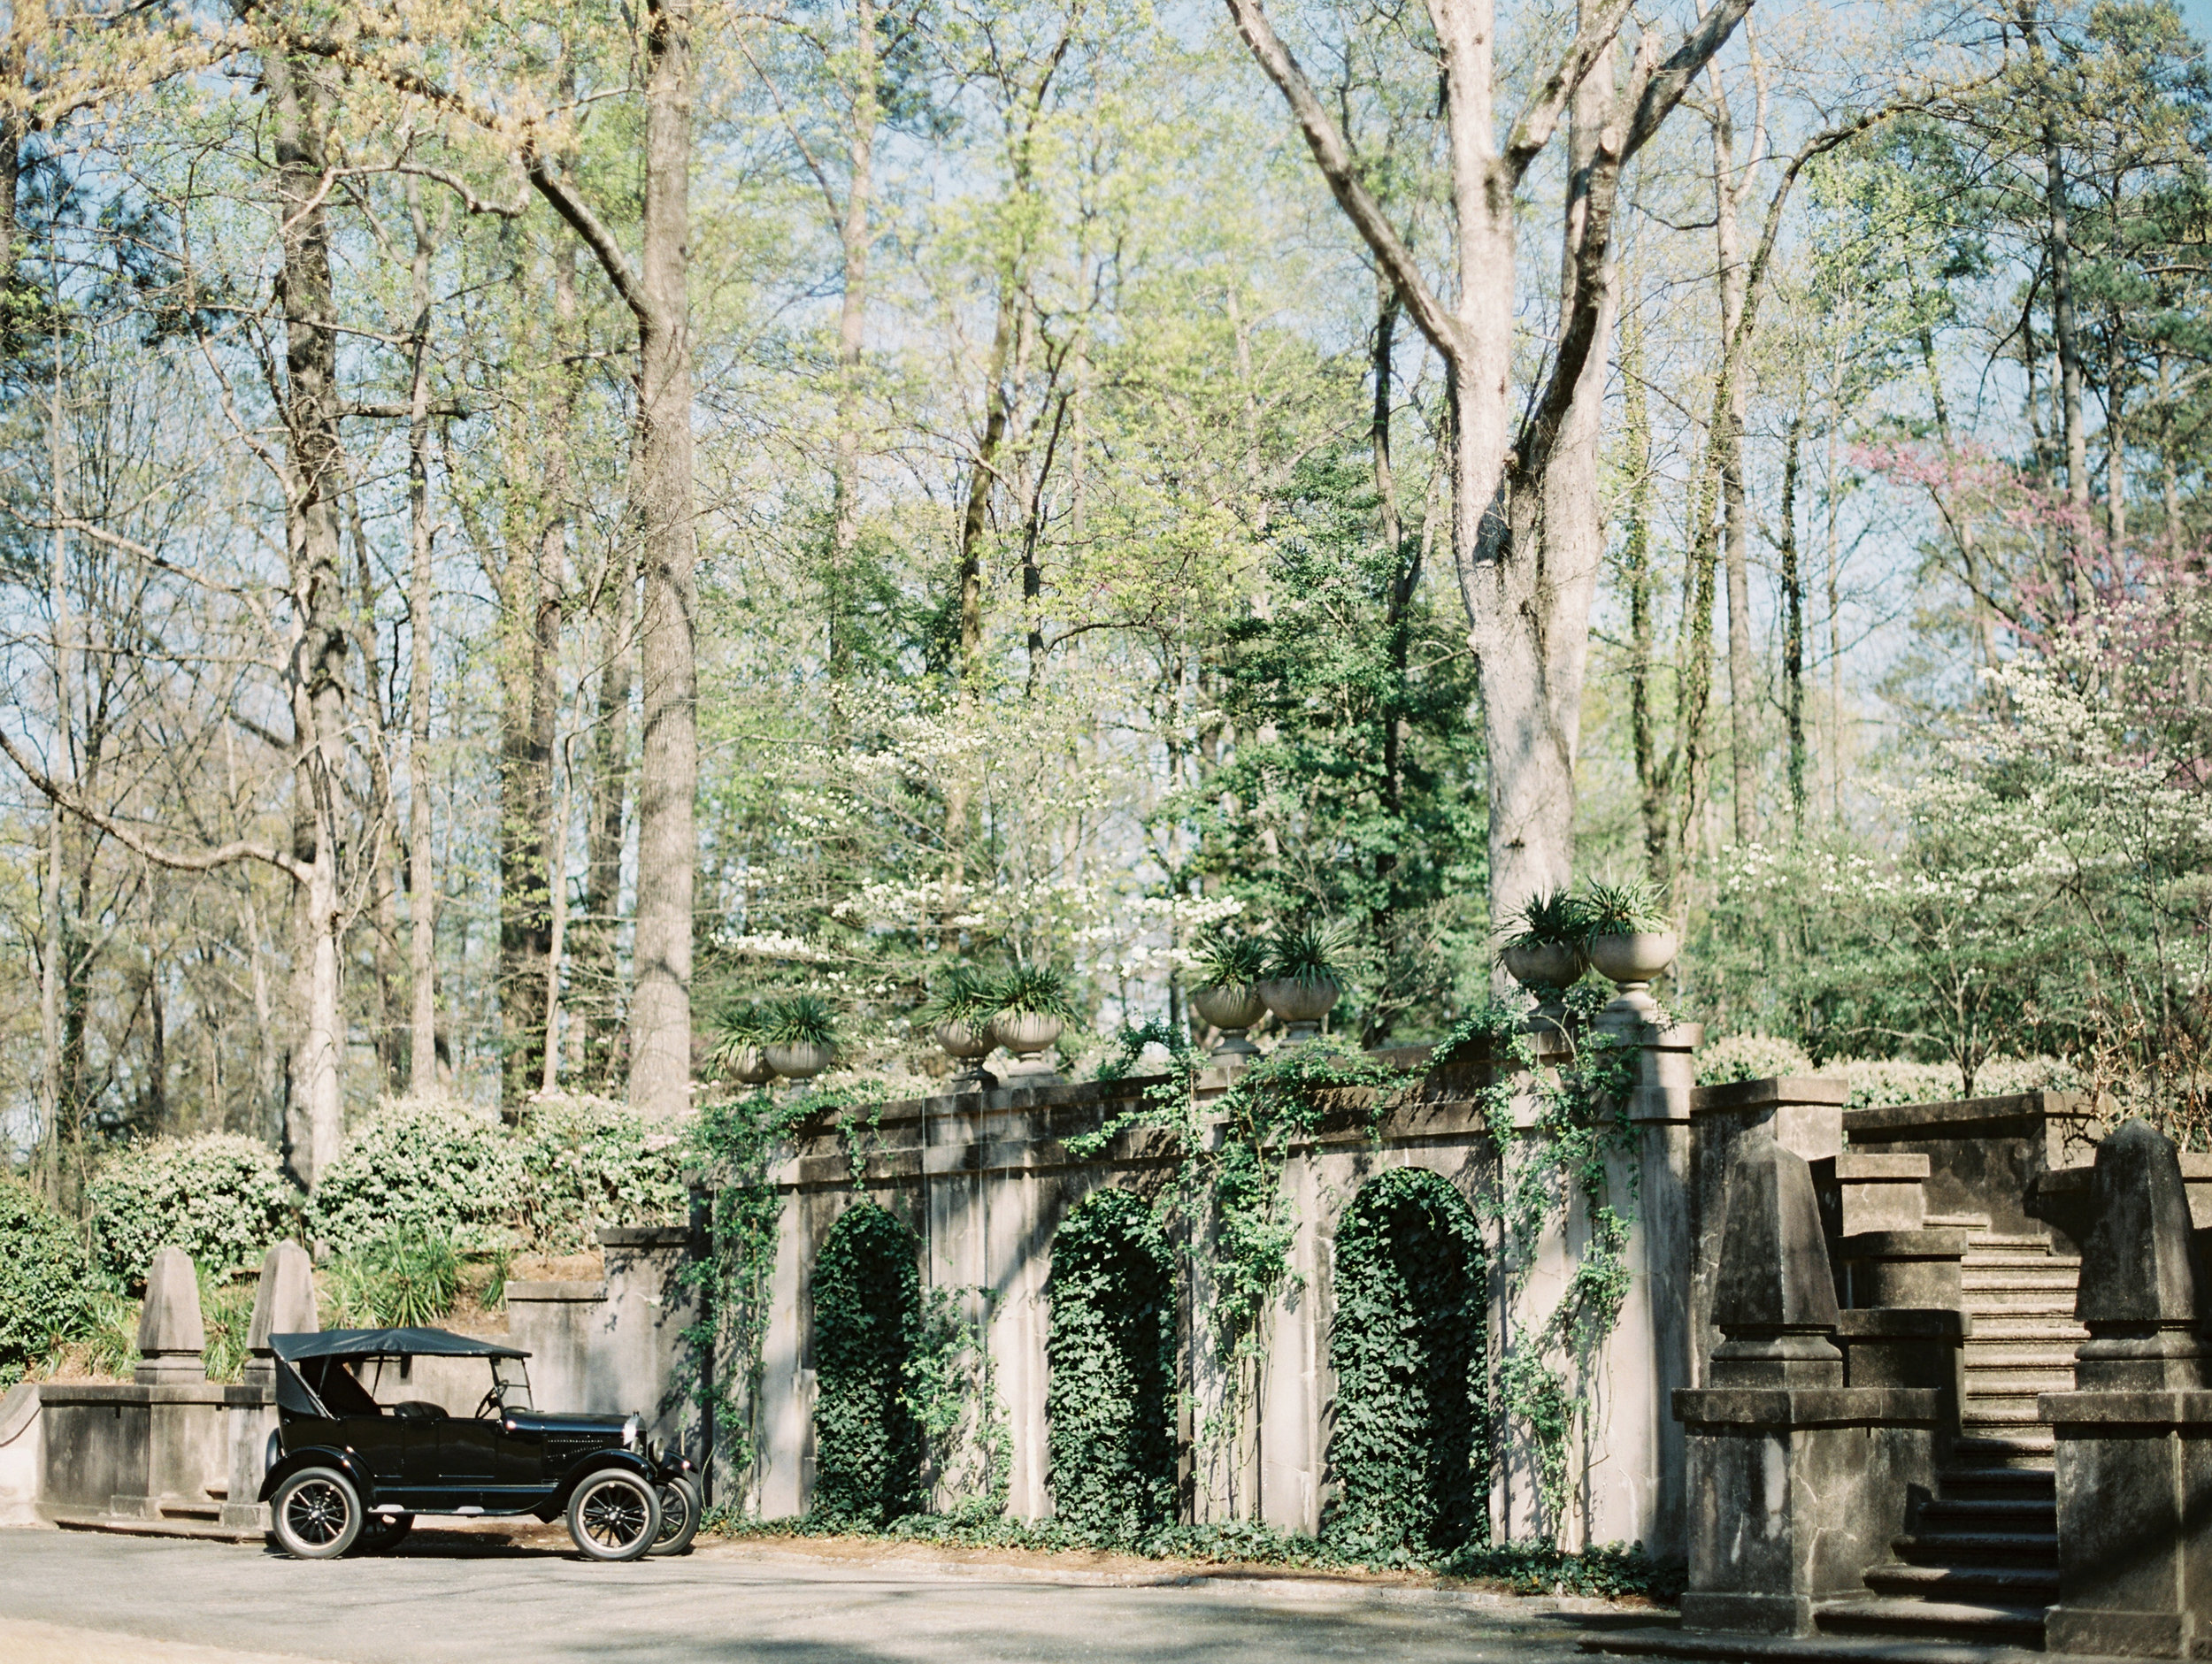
(590,1162)
(867,1310)
(1406,1451)
(221,1198)
(426,1166)
(1751,1057)
(404,1280)
(43,1298)
(1110,1397)
(1880,1081)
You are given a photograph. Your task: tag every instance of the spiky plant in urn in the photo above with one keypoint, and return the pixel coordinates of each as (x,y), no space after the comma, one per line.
(1544,953)
(738,1055)
(1630,940)
(1230,966)
(959,1013)
(1033,1007)
(799,1036)
(1302,983)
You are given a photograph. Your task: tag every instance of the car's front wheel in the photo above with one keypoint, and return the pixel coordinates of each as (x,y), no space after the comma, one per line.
(614,1515)
(315,1514)
(381,1533)
(680,1507)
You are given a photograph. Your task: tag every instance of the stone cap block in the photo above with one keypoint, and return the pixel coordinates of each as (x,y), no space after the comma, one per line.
(2153,1410)
(1854,1167)
(644,1235)
(1766,1094)
(116,1392)
(1953,1117)
(1937,1243)
(2135,1266)
(1780,1408)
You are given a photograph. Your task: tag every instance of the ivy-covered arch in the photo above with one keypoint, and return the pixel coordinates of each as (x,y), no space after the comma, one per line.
(1407,1455)
(867,1313)
(1110,1354)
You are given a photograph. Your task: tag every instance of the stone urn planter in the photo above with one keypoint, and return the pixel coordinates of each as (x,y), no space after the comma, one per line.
(1629,960)
(968,1045)
(1029,1036)
(1233,1010)
(749,1067)
(799,1060)
(1547,965)
(1299,1005)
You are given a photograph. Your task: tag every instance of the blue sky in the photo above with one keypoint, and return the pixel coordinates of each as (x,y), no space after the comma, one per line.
(2199,13)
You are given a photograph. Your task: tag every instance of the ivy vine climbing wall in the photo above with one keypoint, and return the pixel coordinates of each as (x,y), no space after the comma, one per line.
(867,1316)
(1406,1453)
(1110,1402)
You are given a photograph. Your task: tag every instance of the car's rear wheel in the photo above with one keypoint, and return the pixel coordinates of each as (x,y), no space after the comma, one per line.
(315,1514)
(680,1507)
(381,1533)
(614,1515)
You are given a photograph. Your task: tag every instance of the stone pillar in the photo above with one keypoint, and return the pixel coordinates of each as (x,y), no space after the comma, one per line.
(2135,1437)
(1797,1482)
(1652,1351)
(172,1340)
(1804,1116)
(283,1304)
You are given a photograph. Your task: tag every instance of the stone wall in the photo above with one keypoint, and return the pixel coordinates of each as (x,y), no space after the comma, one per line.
(984,1179)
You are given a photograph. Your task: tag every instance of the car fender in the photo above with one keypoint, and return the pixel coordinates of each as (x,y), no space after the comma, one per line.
(599,1462)
(321,1456)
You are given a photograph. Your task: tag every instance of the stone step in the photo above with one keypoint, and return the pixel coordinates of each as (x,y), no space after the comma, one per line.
(2018,1329)
(1977,1279)
(2017,1250)
(2000,1413)
(2000,1482)
(2038,1375)
(1947,1512)
(1978,1548)
(2021,1585)
(1946,1620)
(2019,1302)
(2028,1449)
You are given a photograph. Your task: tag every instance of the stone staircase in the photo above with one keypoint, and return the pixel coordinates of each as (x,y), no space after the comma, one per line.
(1980,1563)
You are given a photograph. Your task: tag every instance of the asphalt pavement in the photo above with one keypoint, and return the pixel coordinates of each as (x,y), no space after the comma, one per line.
(69,1595)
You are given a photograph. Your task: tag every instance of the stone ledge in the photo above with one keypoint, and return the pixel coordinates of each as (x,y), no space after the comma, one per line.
(1936,1242)
(2153,1410)
(551,1291)
(1786,1407)
(1904,1323)
(1658,1642)
(1953,1118)
(53,1393)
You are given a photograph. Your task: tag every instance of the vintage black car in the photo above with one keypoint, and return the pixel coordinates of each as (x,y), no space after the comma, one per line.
(355,1459)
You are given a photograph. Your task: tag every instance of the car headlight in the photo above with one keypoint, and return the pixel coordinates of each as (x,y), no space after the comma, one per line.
(629,1433)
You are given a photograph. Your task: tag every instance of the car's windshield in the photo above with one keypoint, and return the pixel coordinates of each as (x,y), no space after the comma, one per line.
(511,1382)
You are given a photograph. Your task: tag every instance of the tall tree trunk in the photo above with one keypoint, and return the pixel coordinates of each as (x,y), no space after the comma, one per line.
(422,888)
(2059,255)
(2115,476)
(595,962)
(852,317)
(1742,703)
(668,777)
(1652,775)
(56,1111)
(1793,627)
(314,1118)
(1404,563)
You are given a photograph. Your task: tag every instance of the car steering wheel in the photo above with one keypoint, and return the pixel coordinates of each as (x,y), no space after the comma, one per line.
(489,1409)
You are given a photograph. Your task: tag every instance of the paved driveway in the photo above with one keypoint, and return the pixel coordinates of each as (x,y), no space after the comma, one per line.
(468,1599)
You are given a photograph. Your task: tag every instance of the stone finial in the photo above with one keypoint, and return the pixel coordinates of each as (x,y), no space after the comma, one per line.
(2137,1294)
(172,1340)
(1776,1297)
(283,1304)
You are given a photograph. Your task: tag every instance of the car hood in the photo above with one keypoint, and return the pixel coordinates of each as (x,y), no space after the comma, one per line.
(606,1421)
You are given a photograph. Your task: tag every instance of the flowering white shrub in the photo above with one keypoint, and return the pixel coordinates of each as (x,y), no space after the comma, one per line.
(422,1165)
(221,1198)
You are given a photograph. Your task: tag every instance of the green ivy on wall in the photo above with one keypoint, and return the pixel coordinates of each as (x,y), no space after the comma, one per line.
(867,1317)
(1406,1451)
(1109,1394)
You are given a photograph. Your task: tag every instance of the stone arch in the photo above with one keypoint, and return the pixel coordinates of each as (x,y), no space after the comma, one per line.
(1109,1361)
(1407,1462)
(867,1313)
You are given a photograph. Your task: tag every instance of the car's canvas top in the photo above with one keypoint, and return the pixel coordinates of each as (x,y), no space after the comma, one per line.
(387,1343)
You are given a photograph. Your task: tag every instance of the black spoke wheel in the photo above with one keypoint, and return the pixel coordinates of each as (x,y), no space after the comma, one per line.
(614,1515)
(315,1514)
(381,1533)
(680,1507)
